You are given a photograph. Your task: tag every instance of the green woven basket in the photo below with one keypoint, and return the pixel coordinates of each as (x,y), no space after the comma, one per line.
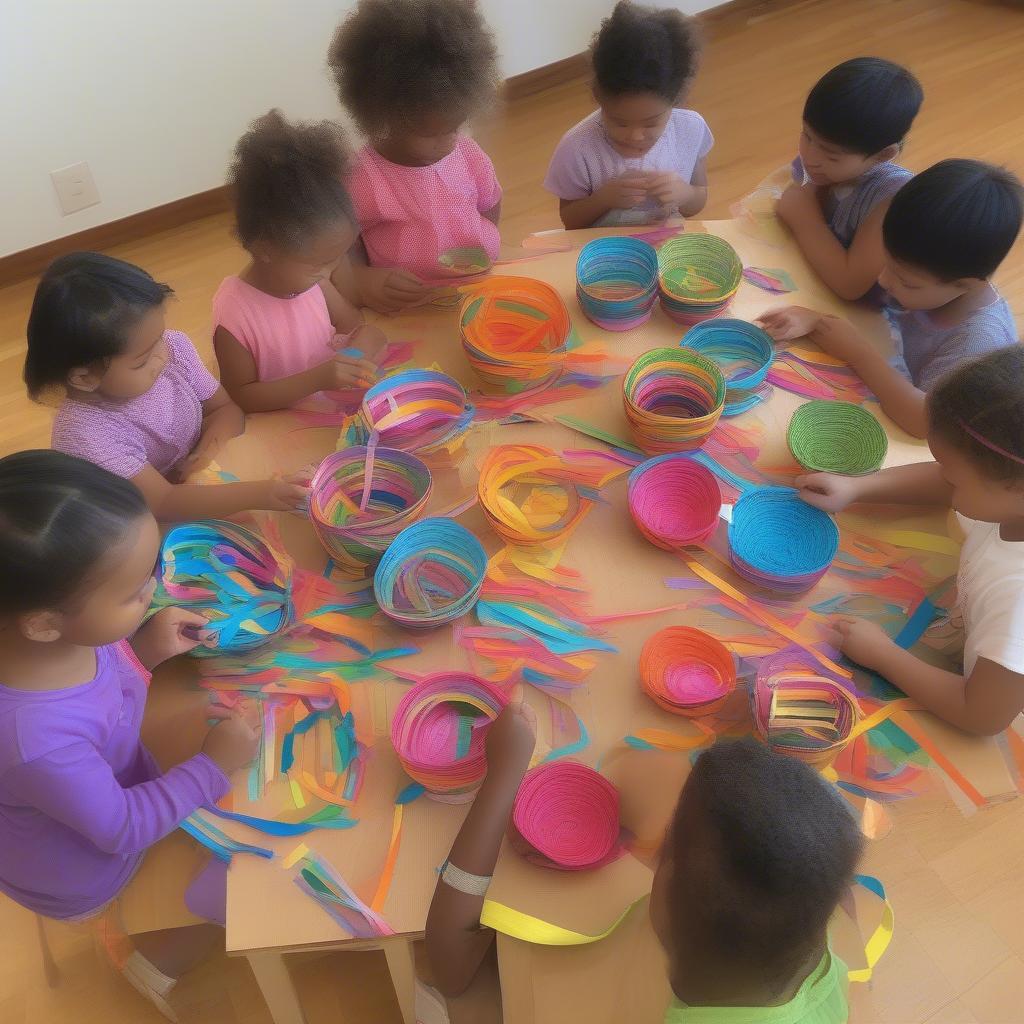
(699,269)
(837,437)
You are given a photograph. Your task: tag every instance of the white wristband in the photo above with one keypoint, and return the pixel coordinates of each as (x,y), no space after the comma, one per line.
(463,881)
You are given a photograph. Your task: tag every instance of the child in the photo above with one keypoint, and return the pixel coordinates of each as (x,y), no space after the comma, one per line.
(411,73)
(945,233)
(275,323)
(81,799)
(976,433)
(138,400)
(639,158)
(756,859)
(855,121)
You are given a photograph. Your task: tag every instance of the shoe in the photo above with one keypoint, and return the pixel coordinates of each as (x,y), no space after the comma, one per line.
(430,1005)
(150,982)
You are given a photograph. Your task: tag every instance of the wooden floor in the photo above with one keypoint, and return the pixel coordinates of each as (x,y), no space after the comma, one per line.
(958,955)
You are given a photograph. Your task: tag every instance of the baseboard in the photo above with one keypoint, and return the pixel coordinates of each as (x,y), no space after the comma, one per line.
(29,262)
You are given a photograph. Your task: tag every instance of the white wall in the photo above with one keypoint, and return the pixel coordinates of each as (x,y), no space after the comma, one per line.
(153,94)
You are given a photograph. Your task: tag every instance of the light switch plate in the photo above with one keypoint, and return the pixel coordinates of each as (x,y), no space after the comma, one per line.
(75,188)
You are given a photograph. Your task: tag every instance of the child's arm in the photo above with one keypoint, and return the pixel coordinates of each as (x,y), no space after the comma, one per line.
(222,420)
(75,786)
(984,703)
(456,944)
(385,289)
(920,483)
(171,503)
(903,403)
(623,193)
(238,374)
(850,273)
(688,198)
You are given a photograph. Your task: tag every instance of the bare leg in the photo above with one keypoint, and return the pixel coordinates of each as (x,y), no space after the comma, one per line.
(174,951)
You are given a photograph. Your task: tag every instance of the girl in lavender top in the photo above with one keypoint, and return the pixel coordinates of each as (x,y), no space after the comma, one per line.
(81,799)
(137,399)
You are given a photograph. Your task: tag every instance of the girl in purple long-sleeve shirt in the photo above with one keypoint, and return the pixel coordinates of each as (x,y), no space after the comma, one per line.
(81,799)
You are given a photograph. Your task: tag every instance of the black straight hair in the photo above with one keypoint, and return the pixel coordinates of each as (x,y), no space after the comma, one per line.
(864,105)
(957,219)
(59,515)
(83,308)
(782,850)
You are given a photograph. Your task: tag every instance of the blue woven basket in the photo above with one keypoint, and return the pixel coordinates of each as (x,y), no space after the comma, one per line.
(744,352)
(617,282)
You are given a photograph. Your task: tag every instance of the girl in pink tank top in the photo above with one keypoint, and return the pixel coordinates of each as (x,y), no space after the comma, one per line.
(282,331)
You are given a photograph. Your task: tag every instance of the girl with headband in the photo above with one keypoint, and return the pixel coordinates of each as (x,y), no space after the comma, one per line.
(976,433)
(81,799)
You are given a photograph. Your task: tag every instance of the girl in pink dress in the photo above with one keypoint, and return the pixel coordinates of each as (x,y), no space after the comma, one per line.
(282,331)
(411,73)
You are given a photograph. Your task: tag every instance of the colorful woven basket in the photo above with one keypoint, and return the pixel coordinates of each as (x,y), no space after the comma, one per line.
(430,575)
(566,816)
(698,277)
(802,714)
(230,575)
(673,399)
(514,331)
(779,542)
(419,411)
(674,501)
(686,671)
(356,520)
(744,352)
(438,732)
(837,437)
(617,282)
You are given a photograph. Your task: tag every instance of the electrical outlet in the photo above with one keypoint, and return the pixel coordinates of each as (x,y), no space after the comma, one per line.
(75,188)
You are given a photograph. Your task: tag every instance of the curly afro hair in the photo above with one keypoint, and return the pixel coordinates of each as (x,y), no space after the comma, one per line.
(288,180)
(645,49)
(397,60)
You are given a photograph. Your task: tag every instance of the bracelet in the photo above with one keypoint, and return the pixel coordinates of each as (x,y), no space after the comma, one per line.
(463,881)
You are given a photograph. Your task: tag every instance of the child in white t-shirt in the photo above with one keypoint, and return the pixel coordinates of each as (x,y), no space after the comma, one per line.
(976,433)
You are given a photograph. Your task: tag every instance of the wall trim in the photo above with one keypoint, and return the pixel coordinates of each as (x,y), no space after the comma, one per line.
(21,265)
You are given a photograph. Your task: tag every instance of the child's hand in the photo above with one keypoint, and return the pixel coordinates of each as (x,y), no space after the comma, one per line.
(828,491)
(838,338)
(510,740)
(625,192)
(170,632)
(352,372)
(202,455)
(863,642)
(290,494)
(789,322)
(389,290)
(799,204)
(370,342)
(669,189)
(233,742)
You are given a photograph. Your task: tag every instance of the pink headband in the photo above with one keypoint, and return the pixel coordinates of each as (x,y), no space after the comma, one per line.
(990,445)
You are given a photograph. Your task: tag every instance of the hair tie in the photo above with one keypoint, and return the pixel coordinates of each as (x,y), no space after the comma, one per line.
(617,282)
(686,671)
(675,501)
(566,816)
(779,542)
(438,732)
(698,277)
(355,534)
(990,445)
(430,575)
(745,354)
(673,398)
(233,577)
(837,437)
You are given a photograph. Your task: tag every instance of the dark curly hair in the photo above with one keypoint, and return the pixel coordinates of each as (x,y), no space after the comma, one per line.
(395,61)
(287,180)
(957,219)
(781,850)
(645,49)
(979,408)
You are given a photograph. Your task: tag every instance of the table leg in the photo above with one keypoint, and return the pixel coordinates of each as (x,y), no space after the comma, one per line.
(402,965)
(277,987)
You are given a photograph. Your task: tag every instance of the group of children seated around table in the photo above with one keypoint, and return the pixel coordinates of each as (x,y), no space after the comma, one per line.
(760,849)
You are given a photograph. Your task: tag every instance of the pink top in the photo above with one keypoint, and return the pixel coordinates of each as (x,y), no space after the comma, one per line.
(410,216)
(158,428)
(283,336)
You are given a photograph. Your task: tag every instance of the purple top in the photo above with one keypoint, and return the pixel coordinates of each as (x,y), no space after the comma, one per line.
(584,160)
(159,428)
(81,798)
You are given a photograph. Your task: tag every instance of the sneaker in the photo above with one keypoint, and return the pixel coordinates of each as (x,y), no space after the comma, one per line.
(151,983)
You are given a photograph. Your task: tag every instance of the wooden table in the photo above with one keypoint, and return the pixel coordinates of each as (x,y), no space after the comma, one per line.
(268,917)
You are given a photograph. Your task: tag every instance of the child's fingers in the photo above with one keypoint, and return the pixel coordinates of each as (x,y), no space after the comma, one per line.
(401,284)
